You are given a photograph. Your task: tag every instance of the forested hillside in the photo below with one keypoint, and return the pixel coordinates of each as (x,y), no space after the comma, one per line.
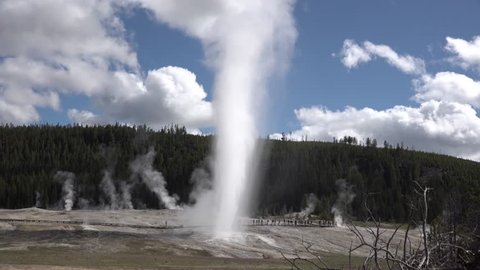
(30,156)
(383,177)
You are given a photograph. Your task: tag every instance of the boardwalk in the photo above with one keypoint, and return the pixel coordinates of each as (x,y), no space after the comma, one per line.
(251,222)
(292,222)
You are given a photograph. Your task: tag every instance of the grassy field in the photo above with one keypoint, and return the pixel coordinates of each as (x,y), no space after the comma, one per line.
(144,259)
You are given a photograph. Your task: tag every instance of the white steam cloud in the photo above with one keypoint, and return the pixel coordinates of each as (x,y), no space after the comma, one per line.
(121,199)
(108,188)
(244,41)
(201,180)
(312,202)
(83,203)
(126,190)
(345,197)
(142,166)
(38,199)
(68,193)
(201,197)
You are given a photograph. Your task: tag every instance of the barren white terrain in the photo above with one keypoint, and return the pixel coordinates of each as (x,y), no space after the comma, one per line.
(163,233)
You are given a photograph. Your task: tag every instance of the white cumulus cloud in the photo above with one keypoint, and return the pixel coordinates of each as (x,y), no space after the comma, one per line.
(448,86)
(171,95)
(437,126)
(445,120)
(55,47)
(52,46)
(354,54)
(84,117)
(467,53)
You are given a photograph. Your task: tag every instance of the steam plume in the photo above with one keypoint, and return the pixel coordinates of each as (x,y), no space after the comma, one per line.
(38,199)
(312,202)
(142,166)
(245,42)
(108,187)
(345,197)
(201,180)
(68,194)
(83,203)
(201,196)
(126,195)
(250,38)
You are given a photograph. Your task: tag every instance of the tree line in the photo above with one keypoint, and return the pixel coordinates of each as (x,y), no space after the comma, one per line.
(30,156)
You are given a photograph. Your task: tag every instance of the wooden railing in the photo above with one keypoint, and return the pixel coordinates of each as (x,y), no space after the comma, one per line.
(292,222)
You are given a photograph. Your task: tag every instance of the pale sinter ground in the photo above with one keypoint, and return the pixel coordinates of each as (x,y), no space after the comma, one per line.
(256,242)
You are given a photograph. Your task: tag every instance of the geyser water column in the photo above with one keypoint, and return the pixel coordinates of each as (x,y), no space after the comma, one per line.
(236,129)
(247,52)
(245,42)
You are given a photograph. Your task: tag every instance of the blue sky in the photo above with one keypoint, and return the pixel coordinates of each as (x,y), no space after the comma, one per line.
(316,77)
(417,28)
(53,77)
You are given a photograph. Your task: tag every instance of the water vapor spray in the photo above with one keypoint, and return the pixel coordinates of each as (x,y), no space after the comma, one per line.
(201,180)
(126,190)
(245,42)
(83,203)
(68,194)
(142,166)
(108,187)
(312,202)
(252,36)
(344,199)
(201,196)
(38,199)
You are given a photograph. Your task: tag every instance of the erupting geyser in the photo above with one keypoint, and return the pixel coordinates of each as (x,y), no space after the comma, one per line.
(249,45)
(245,42)
(68,193)
(252,35)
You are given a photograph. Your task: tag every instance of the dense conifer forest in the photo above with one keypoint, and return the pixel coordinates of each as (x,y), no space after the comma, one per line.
(383,178)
